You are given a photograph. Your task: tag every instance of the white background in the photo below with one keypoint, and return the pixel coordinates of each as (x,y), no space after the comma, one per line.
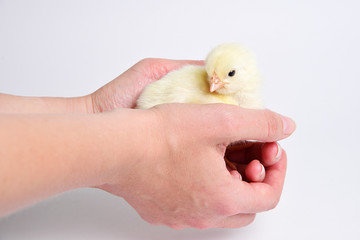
(308,52)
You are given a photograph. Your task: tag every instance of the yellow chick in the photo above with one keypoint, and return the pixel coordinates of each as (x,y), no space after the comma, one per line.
(230,76)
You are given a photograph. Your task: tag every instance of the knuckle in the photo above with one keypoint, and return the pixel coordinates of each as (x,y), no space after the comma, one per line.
(245,220)
(251,219)
(150,220)
(202,224)
(147,61)
(151,68)
(274,203)
(274,124)
(156,67)
(176,226)
(229,209)
(225,209)
(224,205)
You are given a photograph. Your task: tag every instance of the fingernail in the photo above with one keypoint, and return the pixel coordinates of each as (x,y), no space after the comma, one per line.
(288,125)
(279,152)
(236,174)
(262,173)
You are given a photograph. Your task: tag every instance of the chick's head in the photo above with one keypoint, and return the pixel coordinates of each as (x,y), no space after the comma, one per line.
(231,67)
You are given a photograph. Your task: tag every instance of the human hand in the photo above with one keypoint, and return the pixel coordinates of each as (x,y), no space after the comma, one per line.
(181,180)
(124,90)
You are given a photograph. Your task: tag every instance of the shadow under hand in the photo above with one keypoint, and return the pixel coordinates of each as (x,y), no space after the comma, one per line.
(91,214)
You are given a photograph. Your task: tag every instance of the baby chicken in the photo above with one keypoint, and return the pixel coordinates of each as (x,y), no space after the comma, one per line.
(230,76)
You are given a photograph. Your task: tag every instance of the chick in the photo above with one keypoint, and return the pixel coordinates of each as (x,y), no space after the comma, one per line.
(230,76)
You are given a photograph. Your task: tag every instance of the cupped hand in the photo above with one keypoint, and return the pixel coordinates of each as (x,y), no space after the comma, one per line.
(182,180)
(123,91)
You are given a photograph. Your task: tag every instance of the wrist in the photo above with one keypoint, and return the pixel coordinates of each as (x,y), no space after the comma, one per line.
(65,105)
(19,104)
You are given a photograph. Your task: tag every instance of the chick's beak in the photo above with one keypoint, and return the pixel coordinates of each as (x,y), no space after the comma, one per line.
(215,83)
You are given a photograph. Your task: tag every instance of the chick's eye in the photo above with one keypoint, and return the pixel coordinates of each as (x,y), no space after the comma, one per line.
(232,73)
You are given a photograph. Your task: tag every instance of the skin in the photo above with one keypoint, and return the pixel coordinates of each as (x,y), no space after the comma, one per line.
(163,161)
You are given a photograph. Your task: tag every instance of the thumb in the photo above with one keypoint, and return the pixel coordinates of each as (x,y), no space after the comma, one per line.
(231,123)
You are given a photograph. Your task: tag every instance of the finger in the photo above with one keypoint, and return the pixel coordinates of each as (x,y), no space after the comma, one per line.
(237,221)
(257,197)
(271,153)
(167,65)
(255,171)
(231,123)
(236,174)
(251,172)
(155,68)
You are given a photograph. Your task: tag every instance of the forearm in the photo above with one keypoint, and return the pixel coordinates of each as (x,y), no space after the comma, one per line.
(19,104)
(42,155)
